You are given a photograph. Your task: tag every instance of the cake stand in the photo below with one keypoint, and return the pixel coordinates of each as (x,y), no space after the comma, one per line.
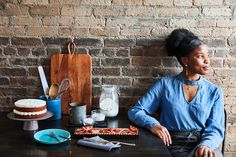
(30,124)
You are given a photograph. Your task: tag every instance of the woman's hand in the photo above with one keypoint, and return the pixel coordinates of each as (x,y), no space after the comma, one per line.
(204,151)
(163,133)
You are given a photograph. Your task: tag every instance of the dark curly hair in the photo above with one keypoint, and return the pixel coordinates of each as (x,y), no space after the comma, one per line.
(181,42)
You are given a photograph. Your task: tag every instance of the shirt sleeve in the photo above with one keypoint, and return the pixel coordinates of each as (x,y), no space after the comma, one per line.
(213,134)
(140,114)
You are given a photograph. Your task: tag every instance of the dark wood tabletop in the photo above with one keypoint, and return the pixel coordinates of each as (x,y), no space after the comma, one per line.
(15,142)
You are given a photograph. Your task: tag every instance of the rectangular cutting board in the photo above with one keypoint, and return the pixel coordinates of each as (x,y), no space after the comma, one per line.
(76,67)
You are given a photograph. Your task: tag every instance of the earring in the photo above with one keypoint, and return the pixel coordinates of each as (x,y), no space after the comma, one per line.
(186,69)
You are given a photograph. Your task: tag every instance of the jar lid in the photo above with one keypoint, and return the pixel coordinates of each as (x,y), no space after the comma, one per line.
(110,87)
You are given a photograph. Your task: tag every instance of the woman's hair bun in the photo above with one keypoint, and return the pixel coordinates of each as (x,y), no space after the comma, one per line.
(181,42)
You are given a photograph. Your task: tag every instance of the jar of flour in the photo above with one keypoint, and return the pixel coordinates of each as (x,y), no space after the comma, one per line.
(109,100)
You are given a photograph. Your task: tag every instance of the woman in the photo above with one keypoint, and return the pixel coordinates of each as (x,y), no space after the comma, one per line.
(191,120)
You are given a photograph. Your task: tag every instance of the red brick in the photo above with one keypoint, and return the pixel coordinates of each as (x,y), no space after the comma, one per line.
(76,11)
(11,9)
(26,41)
(35,2)
(4,41)
(9,51)
(12,31)
(119,42)
(45,10)
(117,81)
(108,32)
(137,71)
(127,2)
(23,51)
(111,11)
(88,42)
(13,91)
(42,31)
(4,61)
(106,71)
(146,61)
(12,71)
(115,62)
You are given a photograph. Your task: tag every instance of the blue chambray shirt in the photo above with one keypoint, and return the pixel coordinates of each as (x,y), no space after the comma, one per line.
(204,112)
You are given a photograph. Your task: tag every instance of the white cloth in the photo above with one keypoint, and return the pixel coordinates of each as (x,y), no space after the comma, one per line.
(98,142)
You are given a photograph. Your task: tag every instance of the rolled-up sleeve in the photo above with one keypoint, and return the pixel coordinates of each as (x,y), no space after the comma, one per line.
(140,114)
(214,132)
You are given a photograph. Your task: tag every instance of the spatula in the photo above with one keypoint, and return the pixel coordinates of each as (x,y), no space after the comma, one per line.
(43,80)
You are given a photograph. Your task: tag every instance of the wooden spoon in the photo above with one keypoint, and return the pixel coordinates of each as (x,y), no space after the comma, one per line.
(53,91)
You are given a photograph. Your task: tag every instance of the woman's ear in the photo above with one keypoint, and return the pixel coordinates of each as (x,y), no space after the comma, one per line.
(184,60)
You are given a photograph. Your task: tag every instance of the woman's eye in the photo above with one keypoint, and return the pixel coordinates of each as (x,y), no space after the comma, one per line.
(199,56)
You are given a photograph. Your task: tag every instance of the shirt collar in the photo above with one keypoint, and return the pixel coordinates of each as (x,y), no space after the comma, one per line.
(182,79)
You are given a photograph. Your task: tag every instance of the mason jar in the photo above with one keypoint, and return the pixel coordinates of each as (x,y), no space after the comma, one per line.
(109,100)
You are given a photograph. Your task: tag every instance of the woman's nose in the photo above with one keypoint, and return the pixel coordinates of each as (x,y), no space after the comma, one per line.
(207,61)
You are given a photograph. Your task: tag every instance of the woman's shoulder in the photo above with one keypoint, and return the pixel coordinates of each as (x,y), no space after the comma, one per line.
(165,80)
(162,83)
(211,86)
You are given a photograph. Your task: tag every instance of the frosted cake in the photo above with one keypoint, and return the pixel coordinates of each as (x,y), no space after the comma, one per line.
(30,108)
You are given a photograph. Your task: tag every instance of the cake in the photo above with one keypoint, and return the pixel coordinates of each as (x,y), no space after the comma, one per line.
(30,108)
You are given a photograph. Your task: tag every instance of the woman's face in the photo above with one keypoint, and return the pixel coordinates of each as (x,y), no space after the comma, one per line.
(198,62)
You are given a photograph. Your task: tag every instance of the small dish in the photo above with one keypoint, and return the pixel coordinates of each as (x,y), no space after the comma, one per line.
(97,115)
(88,120)
(44,136)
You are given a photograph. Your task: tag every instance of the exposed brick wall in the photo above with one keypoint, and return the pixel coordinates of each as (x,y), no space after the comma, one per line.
(125,39)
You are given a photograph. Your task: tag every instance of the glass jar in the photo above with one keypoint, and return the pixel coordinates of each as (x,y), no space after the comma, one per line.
(109,100)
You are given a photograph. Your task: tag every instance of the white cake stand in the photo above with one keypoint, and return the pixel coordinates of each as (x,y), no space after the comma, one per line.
(30,124)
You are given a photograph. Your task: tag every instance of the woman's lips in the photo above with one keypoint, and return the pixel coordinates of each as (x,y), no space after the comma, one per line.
(206,67)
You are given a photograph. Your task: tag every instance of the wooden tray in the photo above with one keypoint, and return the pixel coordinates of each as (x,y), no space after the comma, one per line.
(131,132)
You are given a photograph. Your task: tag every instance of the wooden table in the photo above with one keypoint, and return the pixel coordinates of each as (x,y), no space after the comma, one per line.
(15,142)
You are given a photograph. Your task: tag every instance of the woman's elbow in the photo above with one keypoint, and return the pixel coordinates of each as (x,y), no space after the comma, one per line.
(130,114)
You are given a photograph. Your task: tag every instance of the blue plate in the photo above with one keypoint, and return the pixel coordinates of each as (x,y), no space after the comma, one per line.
(44,136)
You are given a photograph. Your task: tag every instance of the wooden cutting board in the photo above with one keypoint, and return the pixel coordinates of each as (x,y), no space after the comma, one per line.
(76,67)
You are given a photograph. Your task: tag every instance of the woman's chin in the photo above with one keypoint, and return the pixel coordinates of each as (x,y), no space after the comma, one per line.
(204,72)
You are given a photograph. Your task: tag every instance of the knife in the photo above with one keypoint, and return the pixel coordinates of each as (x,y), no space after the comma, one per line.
(43,80)
(67,138)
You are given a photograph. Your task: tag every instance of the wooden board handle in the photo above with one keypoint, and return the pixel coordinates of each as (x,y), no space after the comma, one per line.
(71,47)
